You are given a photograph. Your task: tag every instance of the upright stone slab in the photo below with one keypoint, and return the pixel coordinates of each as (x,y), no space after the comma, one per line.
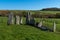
(40,24)
(32,21)
(17,19)
(21,20)
(27,18)
(10,18)
(54,27)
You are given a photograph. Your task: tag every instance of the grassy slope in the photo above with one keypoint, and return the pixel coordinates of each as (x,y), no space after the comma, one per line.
(24,32)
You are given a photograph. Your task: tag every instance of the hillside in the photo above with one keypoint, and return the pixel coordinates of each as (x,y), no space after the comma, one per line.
(50,9)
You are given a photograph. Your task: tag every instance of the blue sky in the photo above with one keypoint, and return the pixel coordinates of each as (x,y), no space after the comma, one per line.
(28,4)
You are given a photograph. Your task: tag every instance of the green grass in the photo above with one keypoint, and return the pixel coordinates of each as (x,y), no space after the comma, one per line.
(50,12)
(25,32)
(49,22)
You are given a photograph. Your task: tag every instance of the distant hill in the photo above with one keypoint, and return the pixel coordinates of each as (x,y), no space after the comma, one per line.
(50,9)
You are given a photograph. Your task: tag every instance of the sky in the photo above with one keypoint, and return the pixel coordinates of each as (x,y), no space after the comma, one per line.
(28,4)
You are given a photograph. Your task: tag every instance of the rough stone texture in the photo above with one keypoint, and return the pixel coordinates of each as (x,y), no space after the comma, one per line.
(32,21)
(21,20)
(40,24)
(17,19)
(54,28)
(27,18)
(10,18)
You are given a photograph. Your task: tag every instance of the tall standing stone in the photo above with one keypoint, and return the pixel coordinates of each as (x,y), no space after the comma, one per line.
(32,21)
(17,19)
(21,20)
(10,18)
(28,18)
(54,28)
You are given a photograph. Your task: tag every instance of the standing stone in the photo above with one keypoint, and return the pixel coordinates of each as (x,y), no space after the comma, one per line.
(10,18)
(40,24)
(28,18)
(54,28)
(32,21)
(17,19)
(21,20)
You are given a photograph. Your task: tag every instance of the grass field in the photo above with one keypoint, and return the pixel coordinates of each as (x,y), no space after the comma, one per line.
(49,22)
(50,12)
(26,32)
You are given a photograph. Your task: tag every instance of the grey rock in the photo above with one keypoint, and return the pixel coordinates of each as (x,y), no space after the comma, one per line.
(10,18)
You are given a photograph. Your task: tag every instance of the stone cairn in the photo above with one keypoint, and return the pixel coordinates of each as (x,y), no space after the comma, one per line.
(18,19)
